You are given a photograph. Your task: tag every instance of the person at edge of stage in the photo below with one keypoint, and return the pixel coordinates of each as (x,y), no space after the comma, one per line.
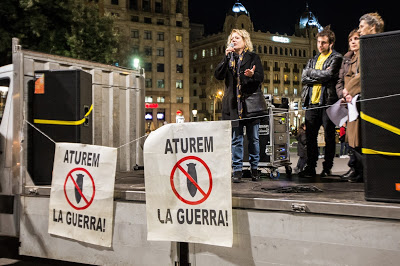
(243,73)
(370,23)
(301,148)
(346,74)
(320,77)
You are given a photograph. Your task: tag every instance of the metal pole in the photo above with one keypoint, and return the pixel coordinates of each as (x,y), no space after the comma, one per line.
(183,254)
(214,108)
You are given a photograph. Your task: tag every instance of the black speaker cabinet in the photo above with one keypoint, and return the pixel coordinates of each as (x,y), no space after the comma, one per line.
(264,141)
(57,95)
(380,78)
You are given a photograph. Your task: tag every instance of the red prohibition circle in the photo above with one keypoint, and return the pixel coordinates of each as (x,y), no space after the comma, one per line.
(173,185)
(65,191)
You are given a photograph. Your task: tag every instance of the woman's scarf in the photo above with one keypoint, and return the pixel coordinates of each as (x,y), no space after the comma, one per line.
(236,69)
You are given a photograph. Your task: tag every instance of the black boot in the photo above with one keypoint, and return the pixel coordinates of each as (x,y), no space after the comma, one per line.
(326,172)
(347,175)
(357,178)
(237,177)
(350,174)
(308,172)
(255,175)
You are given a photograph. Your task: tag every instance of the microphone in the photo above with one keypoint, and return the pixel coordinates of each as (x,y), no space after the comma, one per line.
(230,54)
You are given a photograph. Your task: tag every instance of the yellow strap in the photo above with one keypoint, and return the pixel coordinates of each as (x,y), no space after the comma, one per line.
(65,123)
(380,123)
(384,126)
(370,151)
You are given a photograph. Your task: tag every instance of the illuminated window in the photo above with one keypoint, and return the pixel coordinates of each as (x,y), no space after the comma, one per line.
(195,56)
(161,99)
(286,90)
(285,77)
(179,38)
(265,90)
(148,99)
(179,84)
(295,91)
(276,90)
(203,53)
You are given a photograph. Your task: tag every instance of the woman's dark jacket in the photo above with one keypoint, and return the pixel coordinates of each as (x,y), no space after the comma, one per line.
(249,85)
(302,143)
(328,77)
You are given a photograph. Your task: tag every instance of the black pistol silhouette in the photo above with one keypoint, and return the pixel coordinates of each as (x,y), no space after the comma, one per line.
(79,182)
(192,172)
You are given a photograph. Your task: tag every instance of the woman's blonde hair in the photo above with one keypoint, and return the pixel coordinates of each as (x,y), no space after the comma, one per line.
(245,36)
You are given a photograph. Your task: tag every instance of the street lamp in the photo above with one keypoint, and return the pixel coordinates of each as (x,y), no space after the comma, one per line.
(194,112)
(136,63)
(218,95)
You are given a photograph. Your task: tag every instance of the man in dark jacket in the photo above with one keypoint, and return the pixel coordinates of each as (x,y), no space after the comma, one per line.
(319,79)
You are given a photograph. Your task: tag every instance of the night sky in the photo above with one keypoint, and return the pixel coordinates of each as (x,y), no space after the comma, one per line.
(281,16)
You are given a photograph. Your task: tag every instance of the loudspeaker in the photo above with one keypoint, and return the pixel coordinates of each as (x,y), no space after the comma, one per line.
(285,103)
(264,141)
(380,64)
(57,95)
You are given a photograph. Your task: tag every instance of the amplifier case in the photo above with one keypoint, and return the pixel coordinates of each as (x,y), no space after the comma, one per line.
(66,96)
(380,78)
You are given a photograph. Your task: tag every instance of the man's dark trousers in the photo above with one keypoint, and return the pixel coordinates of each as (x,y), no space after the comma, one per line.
(315,117)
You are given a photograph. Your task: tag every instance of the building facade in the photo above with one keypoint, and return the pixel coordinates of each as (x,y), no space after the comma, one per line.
(283,58)
(155,33)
